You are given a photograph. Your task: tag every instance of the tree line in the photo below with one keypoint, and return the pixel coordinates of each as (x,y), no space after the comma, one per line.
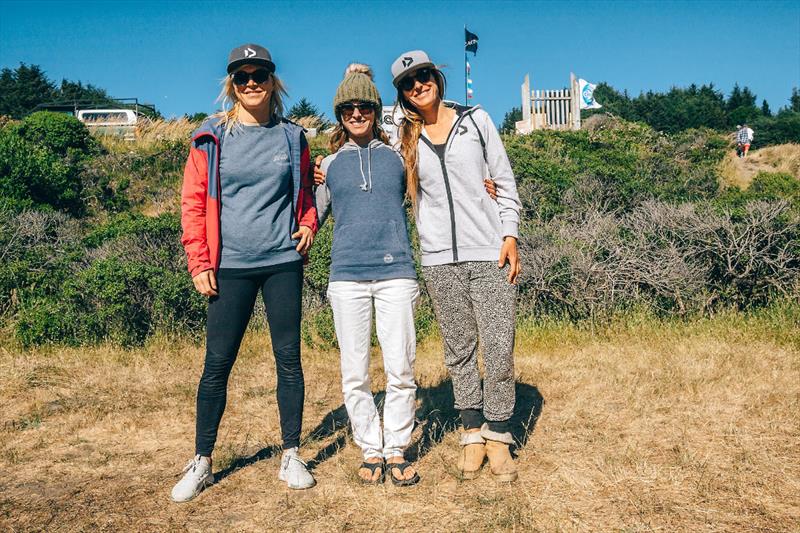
(705,106)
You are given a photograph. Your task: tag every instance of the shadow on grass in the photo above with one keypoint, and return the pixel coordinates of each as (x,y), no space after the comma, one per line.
(436,414)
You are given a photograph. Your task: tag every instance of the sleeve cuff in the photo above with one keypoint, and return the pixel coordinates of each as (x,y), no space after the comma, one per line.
(510,229)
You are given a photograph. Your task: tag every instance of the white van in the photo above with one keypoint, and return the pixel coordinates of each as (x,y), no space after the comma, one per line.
(116,122)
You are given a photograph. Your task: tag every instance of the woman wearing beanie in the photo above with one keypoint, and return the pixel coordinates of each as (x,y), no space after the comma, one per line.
(469,252)
(371,264)
(248,219)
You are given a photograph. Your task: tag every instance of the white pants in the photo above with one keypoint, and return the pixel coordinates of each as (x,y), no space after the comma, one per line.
(352,315)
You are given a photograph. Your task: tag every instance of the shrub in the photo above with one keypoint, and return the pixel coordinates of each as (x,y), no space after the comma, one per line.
(62,134)
(113,300)
(631,162)
(35,251)
(31,175)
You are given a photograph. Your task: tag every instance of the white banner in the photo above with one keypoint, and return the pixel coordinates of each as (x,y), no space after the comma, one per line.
(587,95)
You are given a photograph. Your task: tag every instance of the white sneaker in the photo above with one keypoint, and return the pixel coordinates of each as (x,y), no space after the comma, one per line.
(197,476)
(294,471)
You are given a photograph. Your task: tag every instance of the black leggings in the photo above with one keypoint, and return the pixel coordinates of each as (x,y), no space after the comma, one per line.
(228,316)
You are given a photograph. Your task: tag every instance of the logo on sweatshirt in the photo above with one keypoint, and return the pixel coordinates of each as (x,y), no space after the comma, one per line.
(388,258)
(462,129)
(280,158)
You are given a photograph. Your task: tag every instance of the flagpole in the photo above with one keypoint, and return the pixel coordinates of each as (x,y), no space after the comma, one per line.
(466,74)
(466,80)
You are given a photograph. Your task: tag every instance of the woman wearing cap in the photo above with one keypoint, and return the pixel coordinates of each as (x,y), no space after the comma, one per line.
(371,264)
(248,219)
(469,252)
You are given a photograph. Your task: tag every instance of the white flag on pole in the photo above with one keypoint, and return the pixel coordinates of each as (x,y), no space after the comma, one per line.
(587,95)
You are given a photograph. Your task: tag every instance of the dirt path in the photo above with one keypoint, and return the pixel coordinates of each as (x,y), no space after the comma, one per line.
(781,158)
(664,432)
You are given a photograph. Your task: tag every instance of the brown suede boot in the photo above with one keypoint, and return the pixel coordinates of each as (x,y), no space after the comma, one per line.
(473,452)
(497,450)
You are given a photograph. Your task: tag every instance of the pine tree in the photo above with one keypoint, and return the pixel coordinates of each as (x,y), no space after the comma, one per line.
(794,100)
(510,120)
(23,89)
(303,108)
(765,110)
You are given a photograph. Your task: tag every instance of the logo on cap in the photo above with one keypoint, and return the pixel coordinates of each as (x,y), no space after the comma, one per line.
(249,52)
(407,61)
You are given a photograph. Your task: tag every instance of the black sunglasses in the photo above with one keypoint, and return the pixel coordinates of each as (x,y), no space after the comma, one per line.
(363,107)
(423,75)
(240,77)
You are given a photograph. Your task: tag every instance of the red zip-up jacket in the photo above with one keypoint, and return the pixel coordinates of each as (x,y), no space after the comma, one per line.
(200,197)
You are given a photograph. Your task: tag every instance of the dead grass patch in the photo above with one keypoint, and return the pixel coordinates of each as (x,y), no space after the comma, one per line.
(645,428)
(779,158)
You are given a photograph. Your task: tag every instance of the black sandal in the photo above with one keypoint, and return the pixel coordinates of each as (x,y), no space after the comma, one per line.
(372,467)
(401,482)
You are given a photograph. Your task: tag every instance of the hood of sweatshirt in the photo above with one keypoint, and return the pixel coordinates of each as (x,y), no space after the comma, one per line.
(366,171)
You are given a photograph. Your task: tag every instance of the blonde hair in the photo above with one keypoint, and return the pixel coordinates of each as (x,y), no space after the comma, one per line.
(340,135)
(230,102)
(410,132)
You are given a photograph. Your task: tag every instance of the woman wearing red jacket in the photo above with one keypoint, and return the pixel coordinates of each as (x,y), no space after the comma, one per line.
(248,219)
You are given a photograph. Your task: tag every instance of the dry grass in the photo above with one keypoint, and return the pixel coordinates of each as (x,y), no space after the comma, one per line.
(150,134)
(779,158)
(642,428)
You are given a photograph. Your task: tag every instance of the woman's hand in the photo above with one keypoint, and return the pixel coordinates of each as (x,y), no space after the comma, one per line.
(508,254)
(319,175)
(206,283)
(491,188)
(306,237)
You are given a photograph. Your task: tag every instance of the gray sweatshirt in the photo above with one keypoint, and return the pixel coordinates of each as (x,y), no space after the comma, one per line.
(256,216)
(456,220)
(365,188)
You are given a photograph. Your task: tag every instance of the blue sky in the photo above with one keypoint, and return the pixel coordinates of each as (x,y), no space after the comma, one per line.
(173,53)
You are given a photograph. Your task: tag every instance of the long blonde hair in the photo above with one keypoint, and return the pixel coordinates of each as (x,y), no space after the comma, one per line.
(339,135)
(410,132)
(230,103)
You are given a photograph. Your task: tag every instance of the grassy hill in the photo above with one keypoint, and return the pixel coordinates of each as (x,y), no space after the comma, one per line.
(657,362)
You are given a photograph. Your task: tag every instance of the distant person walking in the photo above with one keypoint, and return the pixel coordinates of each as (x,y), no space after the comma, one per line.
(371,265)
(744,138)
(248,219)
(469,252)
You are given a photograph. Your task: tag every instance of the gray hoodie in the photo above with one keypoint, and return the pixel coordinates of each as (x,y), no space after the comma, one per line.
(365,188)
(456,220)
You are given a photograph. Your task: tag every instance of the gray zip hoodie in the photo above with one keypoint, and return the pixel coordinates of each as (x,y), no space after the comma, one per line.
(456,220)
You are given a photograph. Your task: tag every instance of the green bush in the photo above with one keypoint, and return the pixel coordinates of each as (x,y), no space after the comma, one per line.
(41,161)
(62,134)
(116,301)
(631,163)
(31,175)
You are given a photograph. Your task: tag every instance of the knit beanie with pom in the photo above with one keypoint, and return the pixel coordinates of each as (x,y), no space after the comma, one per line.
(357,86)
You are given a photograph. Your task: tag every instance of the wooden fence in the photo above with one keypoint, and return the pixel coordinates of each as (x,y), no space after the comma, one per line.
(550,109)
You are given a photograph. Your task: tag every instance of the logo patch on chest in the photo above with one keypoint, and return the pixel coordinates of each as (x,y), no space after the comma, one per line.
(388,258)
(280,158)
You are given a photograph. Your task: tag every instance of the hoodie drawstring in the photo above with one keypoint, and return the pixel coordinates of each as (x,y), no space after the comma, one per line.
(366,187)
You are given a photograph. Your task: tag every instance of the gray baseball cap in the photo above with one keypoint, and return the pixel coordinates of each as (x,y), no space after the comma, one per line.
(407,62)
(250,54)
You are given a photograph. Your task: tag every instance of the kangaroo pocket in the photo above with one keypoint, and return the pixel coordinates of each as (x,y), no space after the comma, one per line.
(477,222)
(369,244)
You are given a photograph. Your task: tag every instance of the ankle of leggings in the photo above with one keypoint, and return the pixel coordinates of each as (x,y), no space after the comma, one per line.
(471,418)
(499,427)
